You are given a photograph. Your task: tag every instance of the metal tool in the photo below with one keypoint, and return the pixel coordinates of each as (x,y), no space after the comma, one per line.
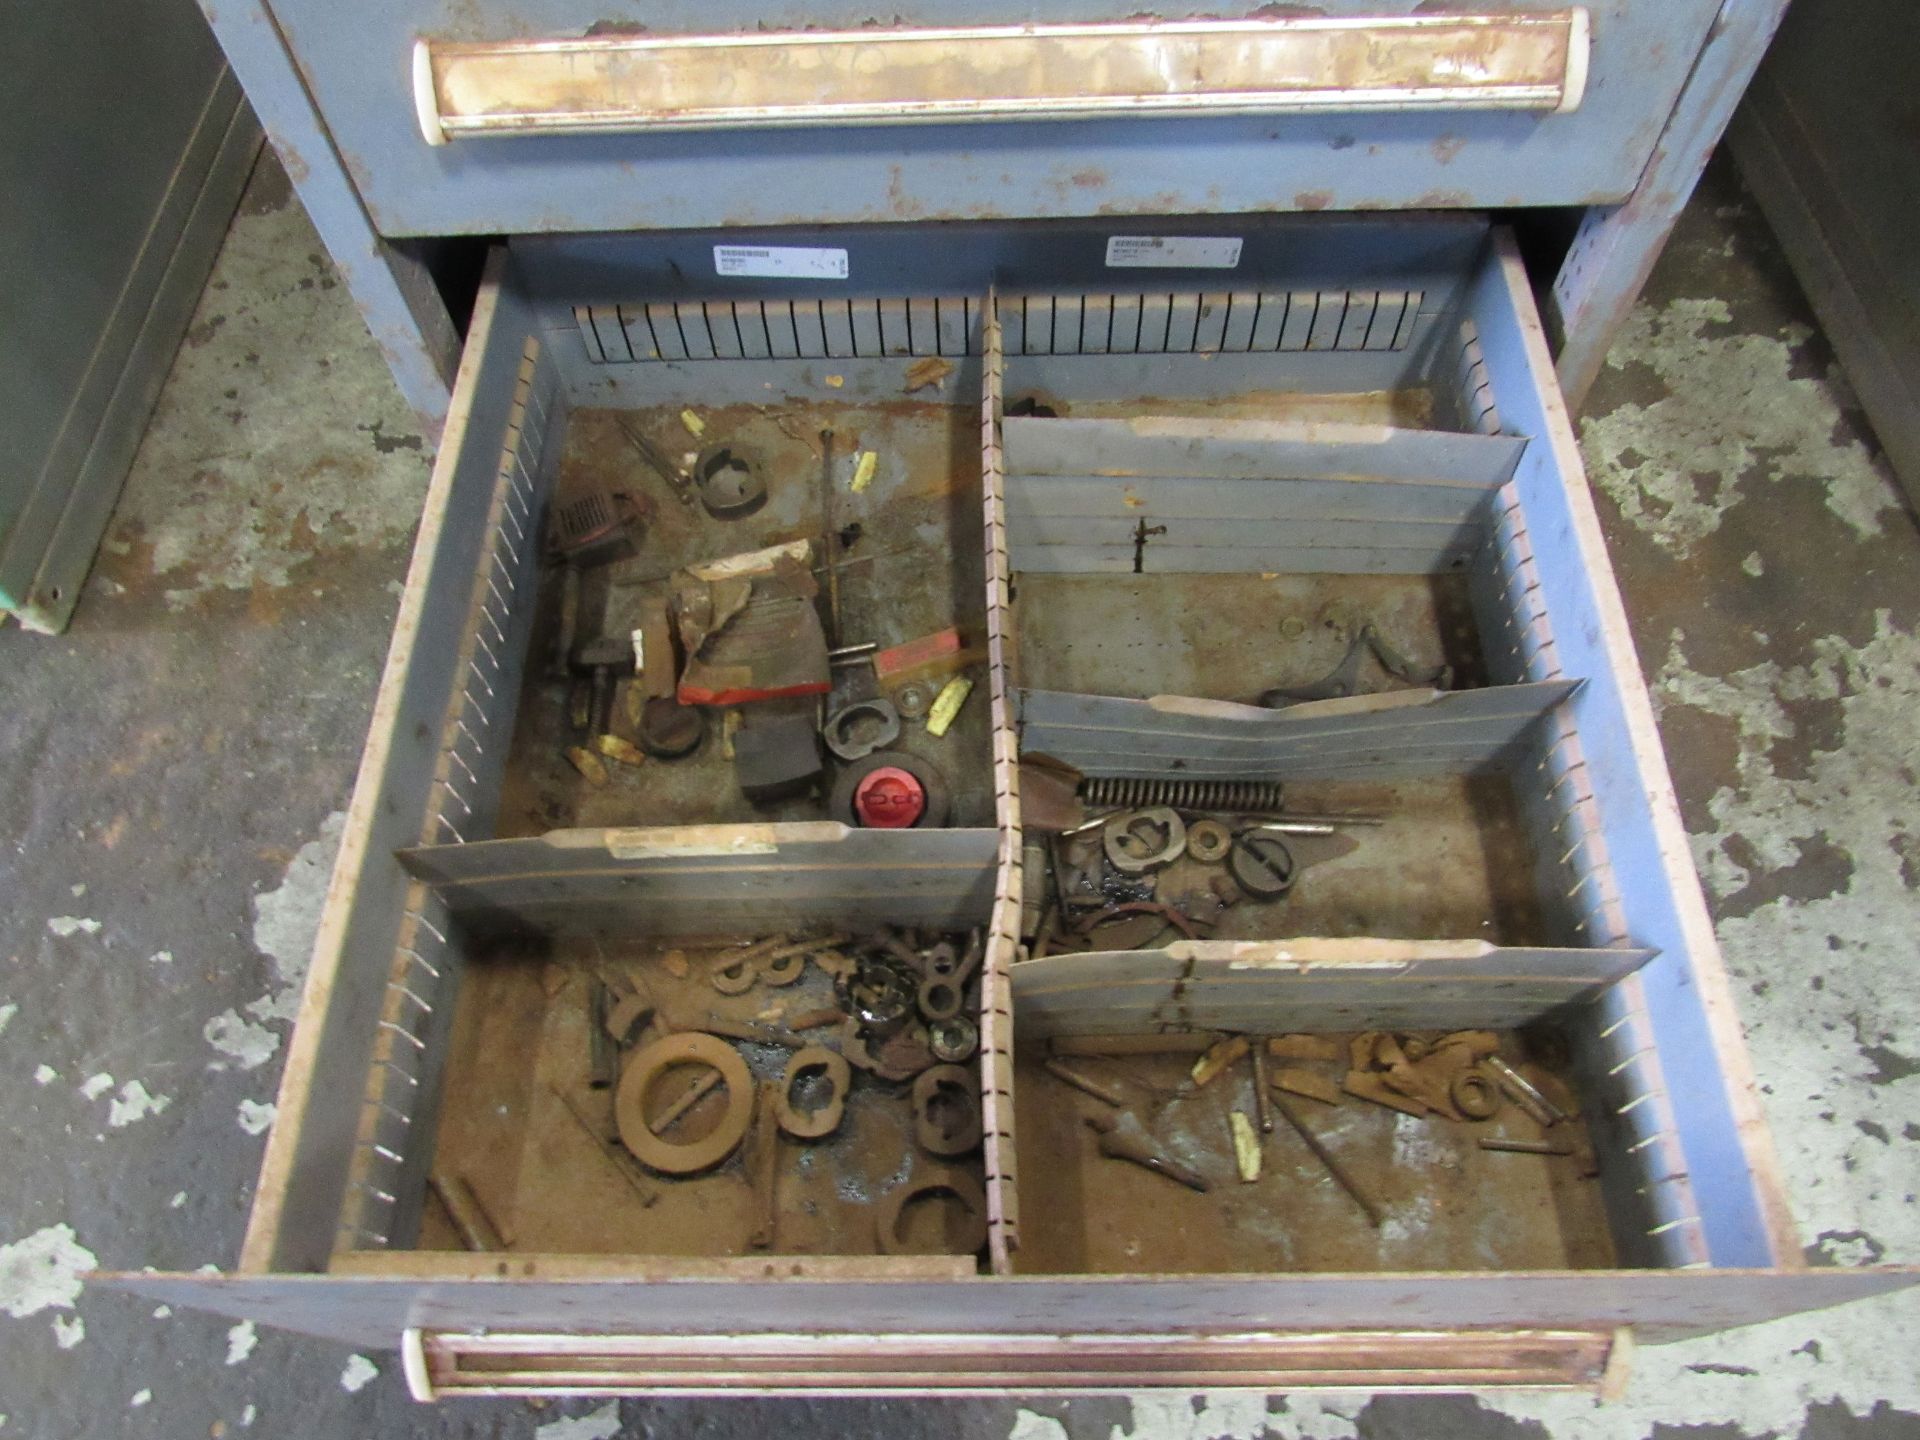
(1526,1147)
(657,461)
(1334,1167)
(1123,1137)
(1101,1090)
(1262,1111)
(605,659)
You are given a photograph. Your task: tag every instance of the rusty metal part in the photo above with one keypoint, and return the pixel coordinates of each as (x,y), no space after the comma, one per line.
(735,977)
(824,1118)
(657,461)
(946,1110)
(1312,1085)
(957,1183)
(603,1056)
(689,1098)
(1367,1085)
(913,699)
(1523,1092)
(1526,1147)
(1303,1047)
(1208,841)
(687,1048)
(1181,922)
(1474,1096)
(859,728)
(669,730)
(1245,797)
(953,1041)
(621,1161)
(1344,678)
(814,1019)
(627,1015)
(1293,827)
(1334,1168)
(939,999)
(881,995)
(470,1219)
(1263,1116)
(783,967)
(765,1169)
(896,1057)
(1104,1091)
(729,481)
(1138,842)
(1123,1137)
(1262,865)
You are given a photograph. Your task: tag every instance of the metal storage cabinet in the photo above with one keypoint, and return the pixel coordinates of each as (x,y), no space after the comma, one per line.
(1334,313)
(1616,147)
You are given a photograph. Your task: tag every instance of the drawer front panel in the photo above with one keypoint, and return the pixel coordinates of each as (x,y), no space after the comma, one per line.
(359,68)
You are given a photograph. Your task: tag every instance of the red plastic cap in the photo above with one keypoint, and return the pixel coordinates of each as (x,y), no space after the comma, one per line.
(889,799)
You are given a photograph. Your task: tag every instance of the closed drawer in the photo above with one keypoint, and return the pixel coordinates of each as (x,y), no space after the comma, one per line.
(1130,494)
(1411,135)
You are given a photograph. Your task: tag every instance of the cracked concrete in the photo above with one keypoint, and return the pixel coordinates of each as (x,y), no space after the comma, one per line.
(177,765)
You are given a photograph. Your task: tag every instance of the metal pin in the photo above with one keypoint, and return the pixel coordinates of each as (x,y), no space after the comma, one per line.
(1635,1103)
(400,1115)
(458,838)
(506,513)
(475,668)
(478,708)
(1623,1020)
(494,555)
(391,1156)
(1644,1050)
(401,1030)
(389,1065)
(353,1229)
(1638,1146)
(458,760)
(481,641)
(512,549)
(1674,1224)
(460,724)
(382,1196)
(498,596)
(425,1008)
(421,960)
(432,929)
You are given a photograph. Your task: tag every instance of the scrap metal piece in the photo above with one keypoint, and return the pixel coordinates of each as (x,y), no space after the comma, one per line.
(669,730)
(687,1048)
(913,700)
(1123,1137)
(946,1110)
(856,730)
(953,1041)
(1262,865)
(1474,1096)
(1334,1168)
(1138,842)
(1260,1081)
(765,1169)
(729,482)
(1344,679)
(470,1219)
(1208,841)
(957,1183)
(824,1118)
(1525,1147)
(1524,1093)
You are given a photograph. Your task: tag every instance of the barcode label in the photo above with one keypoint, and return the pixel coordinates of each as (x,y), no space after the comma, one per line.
(780,261)
(1173,252)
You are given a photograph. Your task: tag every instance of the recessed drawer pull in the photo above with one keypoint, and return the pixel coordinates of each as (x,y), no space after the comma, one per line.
(1294,65)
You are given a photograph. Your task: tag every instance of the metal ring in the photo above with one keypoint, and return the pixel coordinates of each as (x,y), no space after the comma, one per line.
(945,1083)
(1208,841)
(629,1106)
(856,730)
(1474,1096)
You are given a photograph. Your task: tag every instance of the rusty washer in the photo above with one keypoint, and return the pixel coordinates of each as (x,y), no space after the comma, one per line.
(957,1183)
(691,1047)
(1208,841)
(946,1088)
(1141,841)
(823,1119)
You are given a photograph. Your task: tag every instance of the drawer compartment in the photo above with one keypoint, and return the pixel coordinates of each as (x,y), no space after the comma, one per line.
(1529,877)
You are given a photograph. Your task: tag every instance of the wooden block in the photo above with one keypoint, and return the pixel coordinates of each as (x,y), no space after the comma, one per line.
(1309,1083)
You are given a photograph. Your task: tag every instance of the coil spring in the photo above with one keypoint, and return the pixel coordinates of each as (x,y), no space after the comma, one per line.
(1135,792)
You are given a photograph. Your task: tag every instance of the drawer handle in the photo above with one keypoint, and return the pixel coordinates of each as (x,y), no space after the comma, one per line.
(1297,65)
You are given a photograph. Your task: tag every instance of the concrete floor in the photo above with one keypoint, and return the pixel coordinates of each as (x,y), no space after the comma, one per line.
(177,766)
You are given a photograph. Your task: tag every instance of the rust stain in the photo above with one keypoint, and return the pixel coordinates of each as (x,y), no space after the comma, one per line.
(1313,199)
(1446,147)
(1089,179)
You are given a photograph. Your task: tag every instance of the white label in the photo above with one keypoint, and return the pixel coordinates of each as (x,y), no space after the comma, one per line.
(1184,252)
(782,261)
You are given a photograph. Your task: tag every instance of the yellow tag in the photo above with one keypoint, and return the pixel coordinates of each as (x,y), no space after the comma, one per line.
(863,469)
(836,381)
(947,704)
(615,747)
(696,427)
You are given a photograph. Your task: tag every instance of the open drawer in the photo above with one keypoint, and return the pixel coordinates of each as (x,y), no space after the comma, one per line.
(1130,495)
